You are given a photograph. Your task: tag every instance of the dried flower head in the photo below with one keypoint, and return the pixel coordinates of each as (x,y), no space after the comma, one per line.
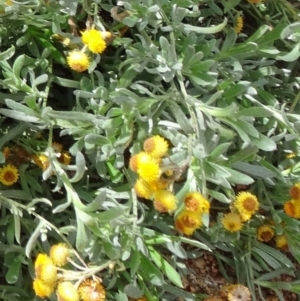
(156,146)
(92,290)
(195,201)
(265,233)
(187,222)
(78,61)
(42,289)
(93,38)
(45,269)
(59,254)
(66,291)
(246,203)
(165,201)
(295,191)
(239,292)
(239,24)
(9,175)
(232,222)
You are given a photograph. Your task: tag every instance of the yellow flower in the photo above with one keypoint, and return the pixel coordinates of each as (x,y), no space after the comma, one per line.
(94,40)
(232,222)
(45,269)
(41,160)
(78,61)
(156,146)
(194,201)
(255,1)
(239,292)
(42,289)
(59,254)
(246,203)
(143,298)
(281,242)
(292,208)
(142,189)
(265,233)
(239,24)
(9,2)
(138,159)
(92,290)
(187,222)
(64,158)
(149,171)
(295,191)
(165,201)
(66,291)
(9,175)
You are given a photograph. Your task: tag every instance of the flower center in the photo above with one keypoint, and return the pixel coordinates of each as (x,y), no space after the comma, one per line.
(9,176)
(249,204)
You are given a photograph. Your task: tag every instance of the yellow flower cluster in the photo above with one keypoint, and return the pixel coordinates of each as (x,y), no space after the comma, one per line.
(95,41)
(190,218)
(50,276)
(150,183)
(46,269)
(292,207)
(244,206)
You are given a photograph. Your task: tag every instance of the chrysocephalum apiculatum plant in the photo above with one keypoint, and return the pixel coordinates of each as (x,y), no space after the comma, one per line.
(136,133)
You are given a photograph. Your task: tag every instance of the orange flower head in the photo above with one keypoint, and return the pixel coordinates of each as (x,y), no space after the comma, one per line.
(45,269)
(246,203)
(156,146)
(42,289)
(187,222)
(265,233)
(78,61)
(59,254)
(232,222)
(66,291)
(92,290)
(9,175)
(194,201)
(295,191)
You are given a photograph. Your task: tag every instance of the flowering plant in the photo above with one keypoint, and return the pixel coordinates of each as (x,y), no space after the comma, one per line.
(140,137)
